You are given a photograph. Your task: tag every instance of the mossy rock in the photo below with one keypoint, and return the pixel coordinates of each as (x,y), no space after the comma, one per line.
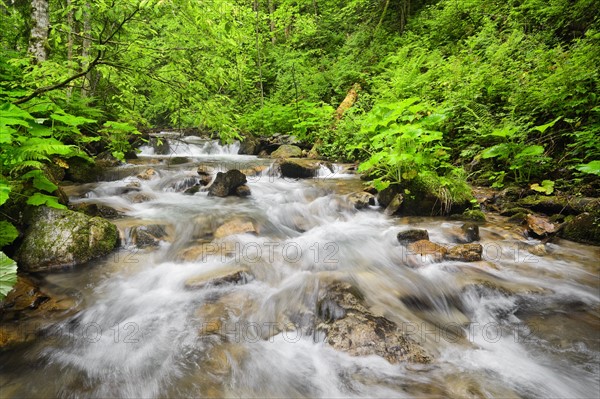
(82,171)
(584,228)
(57,238)
(287,151)
(424,196)
(568,205)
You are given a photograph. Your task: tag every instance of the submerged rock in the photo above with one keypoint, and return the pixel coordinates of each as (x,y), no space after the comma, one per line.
(148,236)
(361,200)
(243,191)
(148,174)
(469,233)
(239,276)
(235,226)
(58,238)
(226,183)
(350,327)
(426,247)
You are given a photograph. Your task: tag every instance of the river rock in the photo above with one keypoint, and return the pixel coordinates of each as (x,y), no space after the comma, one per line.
(287,151)
(412,235)
(238,276)
(177,161)
(299,168)
(584,228)
(82,171)
(243,191)
(235,226)
(394,206)
(148,236)
(201,251)
(539,225)
(205,173)
(148,174)
(350,327)
(469,233)
(249,146)
(58,238)
(95,210)
(226,183)
(361,200)
(465,253)
(569,205)
(426,247)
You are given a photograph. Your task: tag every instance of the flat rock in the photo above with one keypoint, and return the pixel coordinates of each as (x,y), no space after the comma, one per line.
(239,276)
(412,235)
(426,247)
(350,327)
(235,226)
(465,253)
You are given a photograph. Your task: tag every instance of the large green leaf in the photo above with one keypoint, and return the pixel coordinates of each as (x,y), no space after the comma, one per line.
(496,151)
(8,233)
(4,192)
(531,151)
(592,167)
(8,275)
(43,199)
(40,181)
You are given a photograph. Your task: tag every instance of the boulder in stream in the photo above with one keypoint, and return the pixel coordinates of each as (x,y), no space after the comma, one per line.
(465,253)
(299,168)
(539,226)
(226,183)
(148,174)
(237,276)
(584,228)
(350,327)
(57,238)
(287,151)
(361,200)
(412,235)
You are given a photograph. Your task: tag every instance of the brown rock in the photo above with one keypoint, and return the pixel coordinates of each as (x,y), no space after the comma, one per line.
(226,183)
(350,327)
(540,226)
(148,174)
(239,276)
(361,200)
(426,247)
(235,226)
(465,253)
(412,235)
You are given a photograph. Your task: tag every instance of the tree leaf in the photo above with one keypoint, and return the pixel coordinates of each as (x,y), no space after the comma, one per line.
(38,199)
(531,151)
(498,150)
(8,233)
(592,167)
(8,275)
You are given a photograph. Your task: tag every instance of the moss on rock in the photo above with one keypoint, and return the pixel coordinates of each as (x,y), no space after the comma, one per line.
(584,228)
(57,238)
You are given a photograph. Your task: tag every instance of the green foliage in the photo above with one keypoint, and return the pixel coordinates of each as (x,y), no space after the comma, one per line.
(592,167)
(117,135)
(547,187)
(8,275)
(402,140)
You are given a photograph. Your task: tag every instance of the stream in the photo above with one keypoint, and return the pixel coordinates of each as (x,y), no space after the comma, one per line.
(514,325)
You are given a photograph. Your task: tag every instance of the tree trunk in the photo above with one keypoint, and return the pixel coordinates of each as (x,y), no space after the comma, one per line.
(272,21)
(38,38)
(262,91)
(71,27)
(85,47)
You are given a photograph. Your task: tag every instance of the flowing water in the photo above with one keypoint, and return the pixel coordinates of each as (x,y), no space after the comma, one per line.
(514,325)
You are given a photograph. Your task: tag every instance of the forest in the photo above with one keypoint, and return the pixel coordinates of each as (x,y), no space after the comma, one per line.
(420,96)
(299,198)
